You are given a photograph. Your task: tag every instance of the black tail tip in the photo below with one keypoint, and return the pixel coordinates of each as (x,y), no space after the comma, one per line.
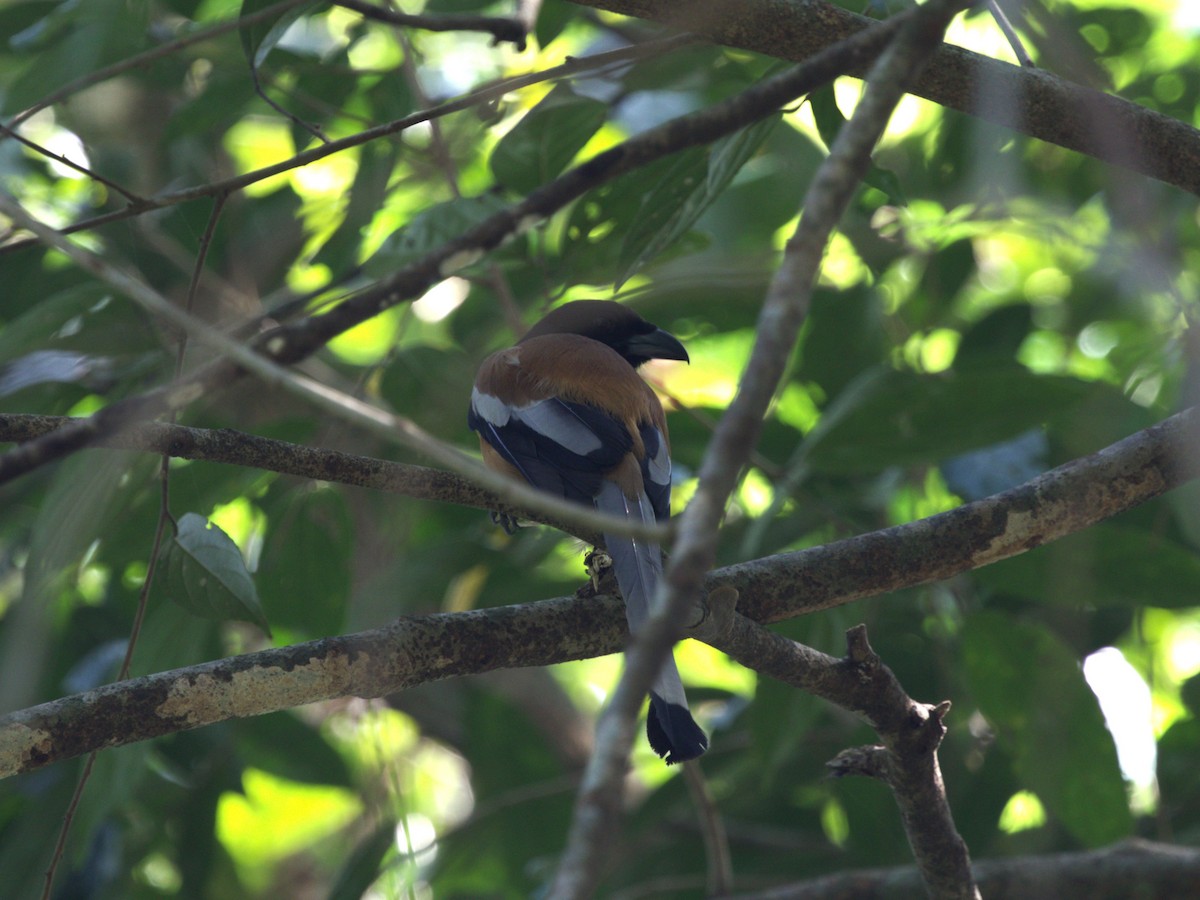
(673,733)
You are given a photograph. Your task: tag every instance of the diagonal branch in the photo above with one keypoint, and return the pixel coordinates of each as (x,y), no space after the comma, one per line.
(598,808)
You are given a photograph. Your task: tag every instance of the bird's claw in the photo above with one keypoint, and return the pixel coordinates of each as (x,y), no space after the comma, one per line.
(510,524)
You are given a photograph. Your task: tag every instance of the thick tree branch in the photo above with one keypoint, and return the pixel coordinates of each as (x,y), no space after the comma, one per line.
(1027,100)
(418,649)
(1134,868)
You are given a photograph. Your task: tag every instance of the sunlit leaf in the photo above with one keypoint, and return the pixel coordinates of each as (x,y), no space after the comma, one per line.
(686,191)
(429,230)
(260,38)
(375,167)
(304,573)
(546,139)
(207,575)
(1031,689)
(829,121)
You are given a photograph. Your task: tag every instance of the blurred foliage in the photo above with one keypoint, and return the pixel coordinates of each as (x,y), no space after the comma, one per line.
(990,307)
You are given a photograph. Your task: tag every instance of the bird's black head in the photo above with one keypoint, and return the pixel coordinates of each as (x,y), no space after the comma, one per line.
(612,324)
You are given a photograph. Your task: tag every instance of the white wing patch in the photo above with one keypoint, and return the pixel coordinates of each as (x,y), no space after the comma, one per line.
(491,409)
(551,419)
(548,417)
(659,466)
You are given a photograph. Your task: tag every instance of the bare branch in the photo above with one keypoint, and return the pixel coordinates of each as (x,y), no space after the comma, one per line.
(911,733)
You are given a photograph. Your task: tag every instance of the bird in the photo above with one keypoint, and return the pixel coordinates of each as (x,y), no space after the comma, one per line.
(565,410)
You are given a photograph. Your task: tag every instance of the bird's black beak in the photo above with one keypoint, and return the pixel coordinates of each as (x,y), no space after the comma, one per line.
(657,344)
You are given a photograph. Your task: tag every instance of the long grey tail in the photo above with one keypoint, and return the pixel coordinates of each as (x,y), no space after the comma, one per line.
(673,733)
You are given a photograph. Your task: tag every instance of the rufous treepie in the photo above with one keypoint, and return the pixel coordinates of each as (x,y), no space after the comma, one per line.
(565,410)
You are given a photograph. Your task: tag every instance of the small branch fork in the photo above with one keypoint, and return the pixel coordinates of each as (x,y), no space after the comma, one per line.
(911,732)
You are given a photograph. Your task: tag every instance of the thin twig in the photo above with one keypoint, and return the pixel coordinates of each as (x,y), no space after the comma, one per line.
(314,130)
(168,49)
(164,516)
(1010,33)
(70,164)
(712,830)
(500,28)
(487,94)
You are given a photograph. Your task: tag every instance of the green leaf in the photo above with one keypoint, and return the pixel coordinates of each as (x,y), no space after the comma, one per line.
(260,38)
(284,745)
(908,419)
(843,336)
(207,576)
(695,180)
(549,136)
(304,571)
(599,220)
(429,230)
(365,863)
(375,166)
(1030,687)
(553,17)
(1107,565)
(171,637)
(829,121)
(74,40)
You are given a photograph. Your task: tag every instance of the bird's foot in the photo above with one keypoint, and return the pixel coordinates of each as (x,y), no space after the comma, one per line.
(510,524)
(599,566)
